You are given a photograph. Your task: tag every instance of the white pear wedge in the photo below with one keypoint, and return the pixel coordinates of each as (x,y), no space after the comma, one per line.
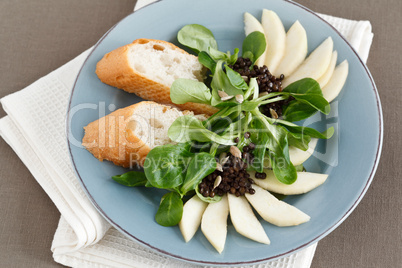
(337,81)
(315,65)
(295,50)
(306,181)
(275,211)
(298,156)
(192,213)
(244,220)
(275,36)
(323,80)
(251,24)
(214,223)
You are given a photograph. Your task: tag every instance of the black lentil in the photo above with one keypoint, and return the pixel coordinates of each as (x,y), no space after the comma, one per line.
(235,179)
(266,81)
(262,175)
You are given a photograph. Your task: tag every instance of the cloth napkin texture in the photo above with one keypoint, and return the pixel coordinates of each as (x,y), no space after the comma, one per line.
(35,129)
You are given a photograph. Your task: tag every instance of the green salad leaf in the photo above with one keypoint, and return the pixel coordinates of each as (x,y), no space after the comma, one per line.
(254,46)
(308,99)
(165,165)
(299,140)
(296,111)
(200,166)
(170,210)
(260,139)
(188,128)
(278,147)
(221,81)
(235,79)
(188,90)
(131,178)
(197,37)
(207,61)
(327,134)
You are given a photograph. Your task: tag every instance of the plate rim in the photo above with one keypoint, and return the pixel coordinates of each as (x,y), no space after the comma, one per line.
(256,261)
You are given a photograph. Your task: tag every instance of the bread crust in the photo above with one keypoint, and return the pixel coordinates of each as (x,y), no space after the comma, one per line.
(110,138)
(114,69)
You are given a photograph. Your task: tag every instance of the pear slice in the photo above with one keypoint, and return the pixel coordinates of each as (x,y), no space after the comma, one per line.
(337,81)
(214,223)
(298,156)
(323,80)
(275,36)
(244,220)
(275,211)
(295,50)
(192,213)
(306,181)
(315,65)
(251,24)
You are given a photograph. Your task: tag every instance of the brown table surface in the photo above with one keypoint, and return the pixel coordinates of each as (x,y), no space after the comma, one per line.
(37,36)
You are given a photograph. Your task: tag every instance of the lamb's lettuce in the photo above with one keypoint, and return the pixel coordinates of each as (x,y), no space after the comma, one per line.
(188,90)
(197,37)
(254,46)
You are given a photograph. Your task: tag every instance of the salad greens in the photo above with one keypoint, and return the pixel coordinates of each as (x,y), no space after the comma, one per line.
(197,37)
(254,46)
(131,179)
(188,128)
(187,89)
(170,210)
(166,164)
(177,169)
(195,174)
(181,167)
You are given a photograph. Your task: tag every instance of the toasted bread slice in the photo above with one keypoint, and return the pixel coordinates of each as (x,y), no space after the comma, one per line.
(148,68)
(127,135)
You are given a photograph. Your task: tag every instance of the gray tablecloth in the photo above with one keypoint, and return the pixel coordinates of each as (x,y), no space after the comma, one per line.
(37,36)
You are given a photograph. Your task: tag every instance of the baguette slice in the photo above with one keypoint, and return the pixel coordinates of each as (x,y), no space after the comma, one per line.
(148,68)
(127,135)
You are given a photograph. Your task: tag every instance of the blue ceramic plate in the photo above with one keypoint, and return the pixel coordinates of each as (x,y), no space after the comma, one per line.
(350,157)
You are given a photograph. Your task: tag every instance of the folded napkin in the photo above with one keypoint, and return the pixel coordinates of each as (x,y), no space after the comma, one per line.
(35,129)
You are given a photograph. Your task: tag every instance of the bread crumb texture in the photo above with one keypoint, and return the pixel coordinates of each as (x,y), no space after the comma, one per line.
(163,62)
(148,68)
(127,135)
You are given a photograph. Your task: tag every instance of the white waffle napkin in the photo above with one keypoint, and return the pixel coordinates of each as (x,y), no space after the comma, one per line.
(35,129)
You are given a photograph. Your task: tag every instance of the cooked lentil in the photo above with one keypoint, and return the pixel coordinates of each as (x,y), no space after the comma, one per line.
(266,81)
(247,135)
(234,178)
